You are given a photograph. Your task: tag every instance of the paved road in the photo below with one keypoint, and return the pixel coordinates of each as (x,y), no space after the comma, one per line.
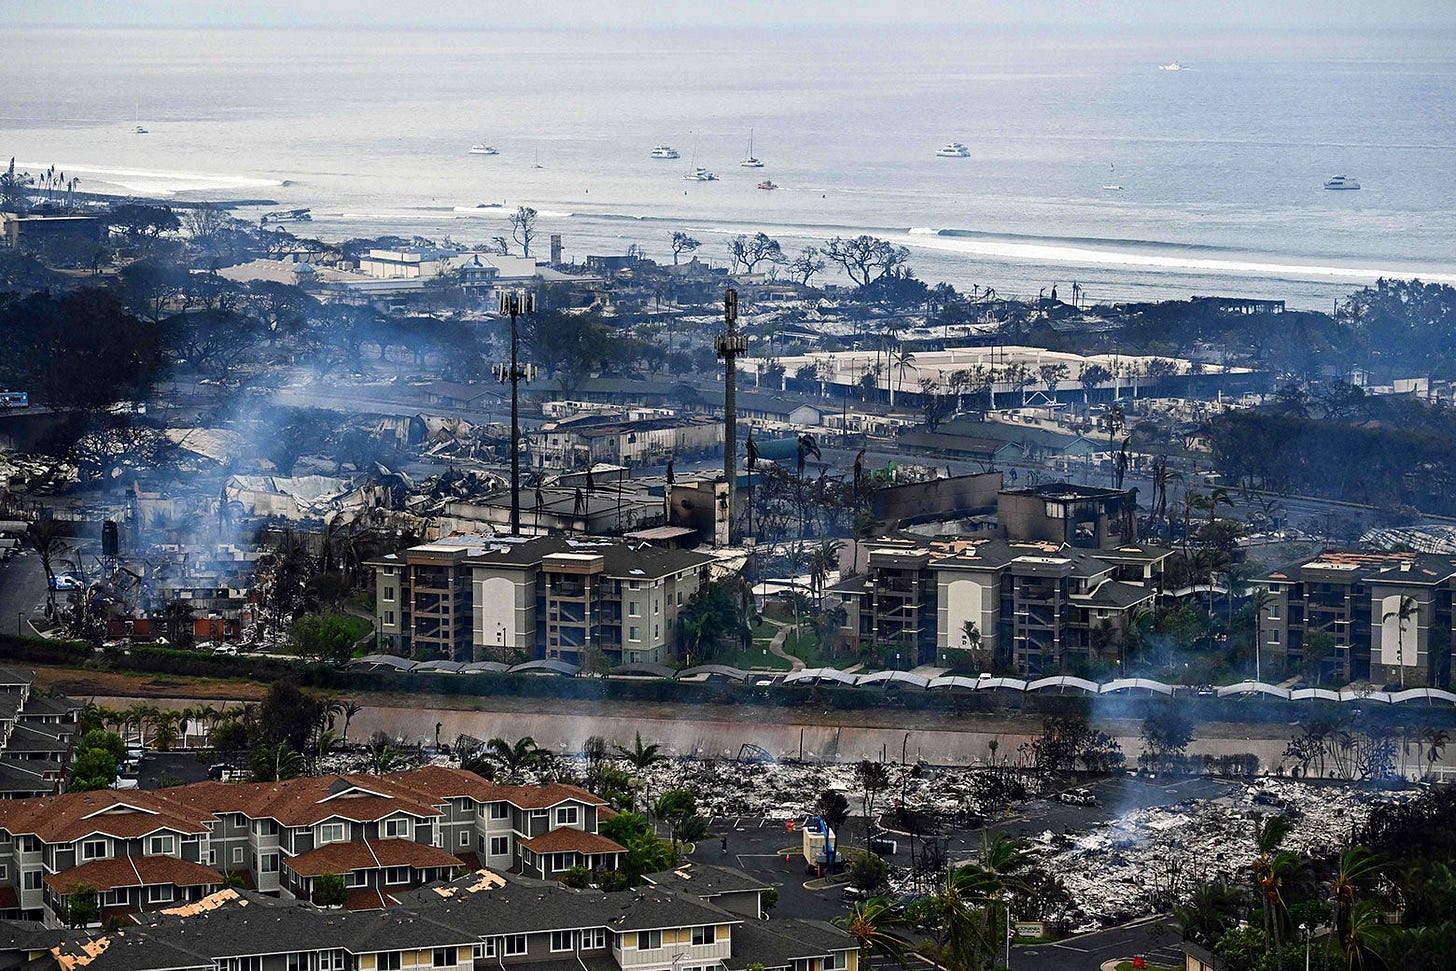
(1155,939)
(22,590)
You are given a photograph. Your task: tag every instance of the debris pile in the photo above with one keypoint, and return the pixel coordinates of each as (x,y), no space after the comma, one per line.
(1146,859)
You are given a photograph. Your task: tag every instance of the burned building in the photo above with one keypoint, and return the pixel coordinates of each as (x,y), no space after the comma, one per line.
(1081,516)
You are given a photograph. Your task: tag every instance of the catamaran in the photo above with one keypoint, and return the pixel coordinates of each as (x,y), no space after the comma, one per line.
(1341,182)
(749,160)
(483,150)
(954,150)
(664,151)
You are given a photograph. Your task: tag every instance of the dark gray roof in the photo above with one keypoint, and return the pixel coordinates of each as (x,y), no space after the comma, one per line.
(10,702)
(16,676)
(1114,593)
(518,907)
(43,705)
(27,776)
(705,881)
(624,561)
(132,951)
(27,935)
(778,944)
(648,909)
(36,737)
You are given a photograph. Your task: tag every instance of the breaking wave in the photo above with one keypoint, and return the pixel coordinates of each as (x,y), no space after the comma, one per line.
(157,182)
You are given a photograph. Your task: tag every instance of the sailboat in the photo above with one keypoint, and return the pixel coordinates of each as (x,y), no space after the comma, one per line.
(137,120)
(538,159)
(1112,186)
(749,161)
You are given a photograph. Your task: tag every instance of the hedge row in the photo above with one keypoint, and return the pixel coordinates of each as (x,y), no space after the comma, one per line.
(162,660)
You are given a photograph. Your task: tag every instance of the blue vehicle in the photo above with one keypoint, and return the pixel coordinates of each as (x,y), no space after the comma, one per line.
(14,399)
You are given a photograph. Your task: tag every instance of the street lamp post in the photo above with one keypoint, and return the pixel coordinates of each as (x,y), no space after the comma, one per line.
(515,303)
(1304,929)
(20,623)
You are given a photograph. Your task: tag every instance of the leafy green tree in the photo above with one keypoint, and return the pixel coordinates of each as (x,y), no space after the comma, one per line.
(328,637)
(679,809)
(645,852)
(869,873)
(288,714)
(833,808)
(83,905)
(515,758)
(1166,730)
(92,769)
(329,891)
(578,877)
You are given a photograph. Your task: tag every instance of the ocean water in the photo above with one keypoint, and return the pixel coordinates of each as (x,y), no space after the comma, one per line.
(1221,164)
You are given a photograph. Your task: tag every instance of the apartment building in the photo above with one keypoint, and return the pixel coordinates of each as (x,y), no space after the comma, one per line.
(1040,607)
(37,733)
(479,920)
(1384,617)
(583,441)
(541,597)
(141,851)
(423,599)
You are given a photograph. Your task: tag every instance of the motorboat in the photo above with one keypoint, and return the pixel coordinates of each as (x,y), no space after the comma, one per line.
(1341,182)
(767,184)
(483,150)
(1112,187)
(954,150)
(139,130)
(664,151)
(700,174)
(1170,66)
(750,161)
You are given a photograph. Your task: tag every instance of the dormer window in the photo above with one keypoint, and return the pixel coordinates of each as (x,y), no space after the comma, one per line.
(331,833)
(161,845)
(396,828)
(95,850)
(567,816)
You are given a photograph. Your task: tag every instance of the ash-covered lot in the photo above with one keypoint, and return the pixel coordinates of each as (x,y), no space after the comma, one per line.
(1144,843)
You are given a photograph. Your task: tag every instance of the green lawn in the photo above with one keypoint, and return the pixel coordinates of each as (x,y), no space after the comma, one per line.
(754,657)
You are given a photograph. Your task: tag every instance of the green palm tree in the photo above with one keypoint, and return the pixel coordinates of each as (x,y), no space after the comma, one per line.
(349,711)
(1367,932)
(1435,740)
(1405,610)
(641,758)
(1356,869)
(515,757)
(1268,834)
(874,926)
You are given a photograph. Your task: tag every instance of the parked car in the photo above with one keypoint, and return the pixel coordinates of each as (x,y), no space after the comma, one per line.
(66,581)
(1077,797)
(229,649)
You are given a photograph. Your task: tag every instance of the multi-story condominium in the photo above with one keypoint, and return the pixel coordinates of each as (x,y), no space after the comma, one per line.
(477,921)
(382,834)
(581,442)
(1041,607)
(1385,617)
(545,597)
(37,733)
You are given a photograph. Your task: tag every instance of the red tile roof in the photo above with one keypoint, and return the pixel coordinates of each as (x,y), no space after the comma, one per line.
(352,855)
(566,840)
(126,815)
(135,871)
(303,802)
(441,782)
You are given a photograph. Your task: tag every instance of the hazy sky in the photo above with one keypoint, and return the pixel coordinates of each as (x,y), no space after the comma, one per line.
(1149,14)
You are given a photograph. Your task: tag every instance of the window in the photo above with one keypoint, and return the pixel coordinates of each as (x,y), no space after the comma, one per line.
(331,833)
(499,810)
(632,609)
(656,606)
(396,875)
(500,845)
(465,838)
(159,893)
(561,941)
(649,940)
(356,878)
(634,633)
(704,935)
(836,961)
(594,938)
(389,594)
(237,854)
(442,957)
(561,862)
(93,850)
(515,945)
(566,816)
(211,858)
(490,948)
(30,879)
(160,846)
(396,828)
(337,962)
(269,863)
(4,873)
(633,585)
(387,961)
(389,616)
(679,598)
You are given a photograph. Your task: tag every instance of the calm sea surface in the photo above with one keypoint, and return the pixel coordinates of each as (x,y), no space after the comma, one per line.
(1221,164)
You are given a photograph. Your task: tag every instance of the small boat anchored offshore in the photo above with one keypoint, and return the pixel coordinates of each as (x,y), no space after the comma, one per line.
(750,161)
(1170,66)
(1112,186)
(664,151)
(954,150)
(483,150)
(767,184)
(700,174)
(1341,182)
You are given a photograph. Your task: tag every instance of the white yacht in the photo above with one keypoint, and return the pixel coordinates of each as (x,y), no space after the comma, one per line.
(1170,66)
(1341,182)
(483,150)
(954,150)
(750,161)
(664,151)
(139,130)
(700,174)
